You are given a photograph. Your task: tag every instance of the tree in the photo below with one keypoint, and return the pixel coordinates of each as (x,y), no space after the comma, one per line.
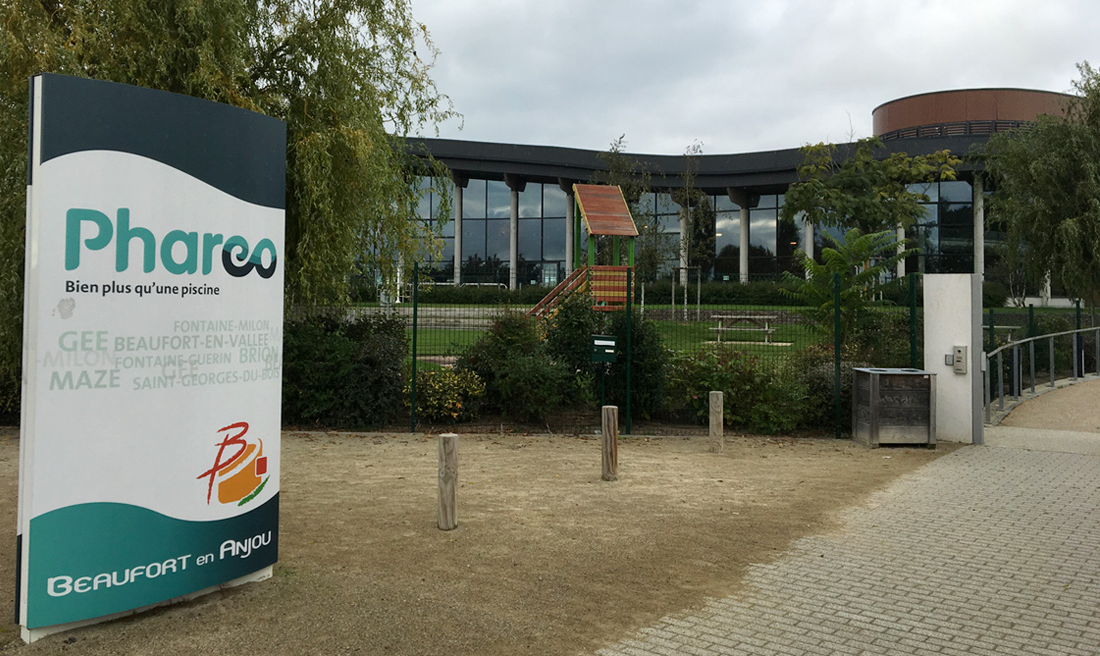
(632,177)
(860,190)
(347,76)
(697,211)
(1047,194)
(859,260)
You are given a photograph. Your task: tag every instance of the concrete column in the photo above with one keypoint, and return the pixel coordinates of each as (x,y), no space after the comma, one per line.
(953,318)
(901,247)
(513,243)
(743,246)
(570,227)
(808,241)
(979,225)
(516,185)
(685,240)
(744,201)
(459,184)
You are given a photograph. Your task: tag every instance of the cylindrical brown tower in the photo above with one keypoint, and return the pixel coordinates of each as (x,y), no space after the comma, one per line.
(965,111)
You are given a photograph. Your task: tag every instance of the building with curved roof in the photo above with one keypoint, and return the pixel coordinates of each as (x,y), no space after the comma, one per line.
(514,220)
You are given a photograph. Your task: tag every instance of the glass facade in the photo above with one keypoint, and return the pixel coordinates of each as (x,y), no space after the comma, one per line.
(486,214)
(944,234)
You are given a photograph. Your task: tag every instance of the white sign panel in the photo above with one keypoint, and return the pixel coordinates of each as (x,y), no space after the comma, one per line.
(152,349)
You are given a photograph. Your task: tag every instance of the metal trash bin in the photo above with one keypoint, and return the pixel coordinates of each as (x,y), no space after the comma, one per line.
(893,406)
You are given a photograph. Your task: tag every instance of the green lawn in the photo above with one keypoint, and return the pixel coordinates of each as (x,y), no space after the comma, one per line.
(444,341)
(787,338)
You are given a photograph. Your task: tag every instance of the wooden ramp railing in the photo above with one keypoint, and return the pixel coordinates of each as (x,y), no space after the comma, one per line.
(577,281)
(606,286)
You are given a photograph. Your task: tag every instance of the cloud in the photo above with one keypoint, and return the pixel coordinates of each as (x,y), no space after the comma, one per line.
(737,75)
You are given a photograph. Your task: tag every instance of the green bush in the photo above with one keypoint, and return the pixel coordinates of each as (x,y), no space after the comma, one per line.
(814,370)
(994,294)
(447,395)
(753,397)
(520,379)
(343,374)
(481,294)
(883,341)
(648,362)
(569,342)
(723,293)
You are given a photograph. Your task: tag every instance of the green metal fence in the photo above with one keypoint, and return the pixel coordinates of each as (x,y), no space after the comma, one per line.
(777,336)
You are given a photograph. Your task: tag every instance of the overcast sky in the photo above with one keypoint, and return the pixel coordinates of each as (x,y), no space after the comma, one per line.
(735,75)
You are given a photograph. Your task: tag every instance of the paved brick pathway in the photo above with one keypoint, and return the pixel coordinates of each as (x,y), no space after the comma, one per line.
(985,551)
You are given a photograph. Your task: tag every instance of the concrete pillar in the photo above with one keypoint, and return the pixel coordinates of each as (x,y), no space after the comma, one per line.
(516,185)
(685,240)
(901,247)
(979,225)
(513,243)
(952,318)
(570,228)
(744,201)
(808,240)
(459,184)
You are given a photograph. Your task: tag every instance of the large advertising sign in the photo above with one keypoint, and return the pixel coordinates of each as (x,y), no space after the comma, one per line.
(149,461)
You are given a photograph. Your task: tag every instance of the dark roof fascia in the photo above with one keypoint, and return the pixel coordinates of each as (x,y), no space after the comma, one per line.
(765,171)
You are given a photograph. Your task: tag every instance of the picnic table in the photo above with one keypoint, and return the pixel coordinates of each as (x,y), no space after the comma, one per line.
(745,323)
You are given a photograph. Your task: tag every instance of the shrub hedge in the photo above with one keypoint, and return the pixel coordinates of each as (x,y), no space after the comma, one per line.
(343,374)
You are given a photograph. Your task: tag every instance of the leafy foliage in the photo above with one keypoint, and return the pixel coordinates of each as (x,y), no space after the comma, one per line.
(1048,191)
(653,245)
(569,336)
(520,380)
(448,395)
(647,366)
(860,261)
(849,187)
(349,77)
(754,397)
(343,375)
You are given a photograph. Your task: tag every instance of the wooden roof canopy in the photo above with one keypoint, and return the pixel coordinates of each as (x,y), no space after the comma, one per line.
(604,210)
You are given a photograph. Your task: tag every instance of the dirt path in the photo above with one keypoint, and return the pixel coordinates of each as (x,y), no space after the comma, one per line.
(1073,408)
(547,559)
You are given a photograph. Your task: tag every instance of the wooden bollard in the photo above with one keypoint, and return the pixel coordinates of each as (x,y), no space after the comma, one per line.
(610,435)
(717,413)
(448,481)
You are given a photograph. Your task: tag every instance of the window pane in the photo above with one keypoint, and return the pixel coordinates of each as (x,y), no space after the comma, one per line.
(530,239)
(496,239)
(553,201)
(473,200)
(473,238)
(762,229)
(447,229)
(723,203)
(530,201)
(553,239)
(423,203)
(498,200)
(956,191)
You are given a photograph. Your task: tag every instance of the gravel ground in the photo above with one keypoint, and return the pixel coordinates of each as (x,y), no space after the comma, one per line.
(547,558)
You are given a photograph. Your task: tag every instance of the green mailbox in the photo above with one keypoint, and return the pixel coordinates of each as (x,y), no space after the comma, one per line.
(603,348)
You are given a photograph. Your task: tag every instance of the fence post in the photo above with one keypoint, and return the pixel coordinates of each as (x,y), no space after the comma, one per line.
(629,346)
(717,436)
(448,481)
(412,400)
(609,437)
(837,344)
(913,321)
(992,331)
(1030,319)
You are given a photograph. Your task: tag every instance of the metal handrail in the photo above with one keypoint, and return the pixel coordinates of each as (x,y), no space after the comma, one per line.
(1017,381)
